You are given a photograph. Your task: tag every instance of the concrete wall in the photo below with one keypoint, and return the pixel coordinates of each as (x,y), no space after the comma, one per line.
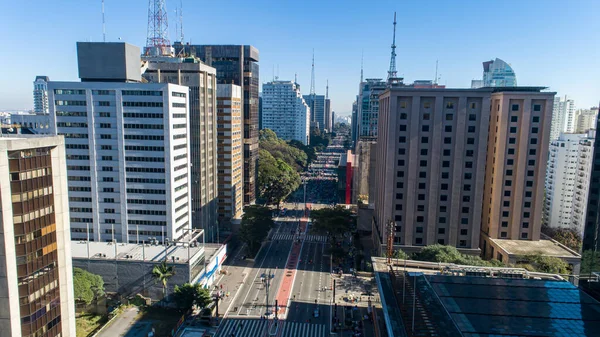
(133,277)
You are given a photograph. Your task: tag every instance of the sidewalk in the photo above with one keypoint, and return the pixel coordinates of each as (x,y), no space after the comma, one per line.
(234,272)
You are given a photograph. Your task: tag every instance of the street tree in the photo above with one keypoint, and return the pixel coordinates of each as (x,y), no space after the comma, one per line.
(334,222)
(188,295)
(280,149)
(255,225)
(590,262)
(162,273)
(87,286)
(276,179)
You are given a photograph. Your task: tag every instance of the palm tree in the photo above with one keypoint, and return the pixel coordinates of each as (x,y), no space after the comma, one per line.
(162,273)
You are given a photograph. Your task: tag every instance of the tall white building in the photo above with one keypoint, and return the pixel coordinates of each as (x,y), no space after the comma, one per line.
(585,119)
(40,95)
(568,179)
(285,111)
(563,117)
(127,148)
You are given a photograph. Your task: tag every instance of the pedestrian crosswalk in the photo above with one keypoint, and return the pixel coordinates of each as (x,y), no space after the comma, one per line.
(257,327)
(290,237)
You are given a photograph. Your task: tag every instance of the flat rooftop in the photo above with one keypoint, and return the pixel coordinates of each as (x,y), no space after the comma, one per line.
(481,306)
(139,252)
(526,247)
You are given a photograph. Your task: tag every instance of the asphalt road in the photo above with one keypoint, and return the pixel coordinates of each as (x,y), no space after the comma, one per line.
(271,260)
(308,292)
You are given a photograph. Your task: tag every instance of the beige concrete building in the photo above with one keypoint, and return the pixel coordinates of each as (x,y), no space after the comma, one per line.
(230,152)
(431,167)
(460,166)
(517,154)
(36,278)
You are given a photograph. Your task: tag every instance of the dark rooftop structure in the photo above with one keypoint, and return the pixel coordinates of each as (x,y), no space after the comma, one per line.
(418,304)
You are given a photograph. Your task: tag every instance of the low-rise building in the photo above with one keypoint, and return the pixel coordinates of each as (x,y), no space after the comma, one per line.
(126,268)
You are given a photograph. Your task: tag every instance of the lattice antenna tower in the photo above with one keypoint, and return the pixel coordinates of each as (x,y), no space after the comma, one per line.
(392,73)
(327,90)
(362,57)
(158,27)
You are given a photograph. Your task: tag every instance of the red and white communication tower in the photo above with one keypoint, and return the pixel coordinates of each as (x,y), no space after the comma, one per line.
(157,42)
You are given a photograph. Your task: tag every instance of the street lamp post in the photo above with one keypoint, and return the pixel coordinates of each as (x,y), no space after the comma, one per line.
(266,280)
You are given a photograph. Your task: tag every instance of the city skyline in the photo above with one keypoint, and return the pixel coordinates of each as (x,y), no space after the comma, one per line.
(338,37)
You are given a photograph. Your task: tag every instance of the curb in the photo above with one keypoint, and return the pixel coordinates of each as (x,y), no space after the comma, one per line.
(105,325)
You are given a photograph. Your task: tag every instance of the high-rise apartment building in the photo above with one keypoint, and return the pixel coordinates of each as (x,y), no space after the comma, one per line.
(237,64)
(317,105)
(563,117)
(496,73)
(230,152)
(585,119)
(591,233)
(517,155)
(36,297)
(127,148)
(434,158)
(368,106)
(40,95)
(201,81)
(567,180)
(285,111)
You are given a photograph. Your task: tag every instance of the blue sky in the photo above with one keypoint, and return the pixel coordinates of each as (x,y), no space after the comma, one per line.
(549,43)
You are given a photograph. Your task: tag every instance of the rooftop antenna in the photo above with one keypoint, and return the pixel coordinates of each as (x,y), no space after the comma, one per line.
(327,90)
(158,28)
(103,24)
(312,75)
(181,21)
(435,81)
(362,57)
(177,25)
(296,78)
(392,73)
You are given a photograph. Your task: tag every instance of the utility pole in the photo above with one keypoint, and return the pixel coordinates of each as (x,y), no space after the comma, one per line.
(266,279)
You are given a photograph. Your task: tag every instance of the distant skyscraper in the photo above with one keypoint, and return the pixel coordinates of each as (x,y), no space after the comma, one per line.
(496,73)
(231,151)
(285,111)
(568,180)
(237,64)
(591,235)
(563,117)
(127,148)
(368,107)
(354,127)
(40,95)
(317,104)
(585,119)
(201,81)
(36,298)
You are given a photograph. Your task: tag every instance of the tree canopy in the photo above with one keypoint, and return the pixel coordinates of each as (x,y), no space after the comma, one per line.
(188,295)
(333,222)
(544,264)
(590,262)
(569,237)
(87,286)
(449,254)
(293,156)
(276,179)
(255,225)
(162,273)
